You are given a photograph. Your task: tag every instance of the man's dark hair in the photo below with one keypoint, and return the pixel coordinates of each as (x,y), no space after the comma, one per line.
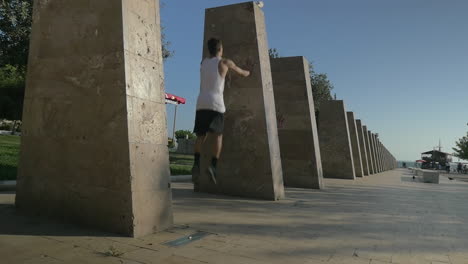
(214,45)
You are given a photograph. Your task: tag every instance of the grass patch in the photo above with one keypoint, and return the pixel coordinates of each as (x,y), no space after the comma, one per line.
(181,169)
(9,157)
(181,164)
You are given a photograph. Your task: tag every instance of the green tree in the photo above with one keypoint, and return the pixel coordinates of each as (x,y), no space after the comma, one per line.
(15,28)
(321,87)
(11,92)
(165,44)
(461,151)
(184,133)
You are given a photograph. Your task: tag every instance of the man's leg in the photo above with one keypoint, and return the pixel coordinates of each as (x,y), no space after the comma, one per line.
(217,144)
(198,147)
(216,139)
(196,164)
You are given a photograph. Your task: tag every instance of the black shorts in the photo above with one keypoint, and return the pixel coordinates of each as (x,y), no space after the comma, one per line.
(208,121)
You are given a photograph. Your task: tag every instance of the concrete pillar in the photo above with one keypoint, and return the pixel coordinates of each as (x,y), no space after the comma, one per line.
(250,163)
(370,157)
(362,147)
(384,159)
(389,160)
(372,150)
(335,141)
(297,128)
(376,154)
(379,153)
(94,144)
(355,145)
(385,155)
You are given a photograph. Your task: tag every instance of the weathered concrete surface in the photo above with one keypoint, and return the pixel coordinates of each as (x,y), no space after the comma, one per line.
(363,148)
(335,141)
(94,125)
(372,150)
(250,163)
(369,220)
(381,153)
(299,144)
(377,154)
(382,157)
(370,158)
(355,145)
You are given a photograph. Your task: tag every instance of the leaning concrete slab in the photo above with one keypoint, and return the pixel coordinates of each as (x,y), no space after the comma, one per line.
(370,158)
(335,141)
(300,151)
(355,144)
(363,147)
(250,163)
(94,144)
(374,152)
(379,152)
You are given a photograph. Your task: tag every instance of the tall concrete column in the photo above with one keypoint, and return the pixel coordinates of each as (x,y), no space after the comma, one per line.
(368,148)
(379,153)
(94,144)
(385,158)
(297,128)
(388,159)
(372,150)
(335,141)
(376,154)
(389,167)
(355,145)
(363,147)
(250,163)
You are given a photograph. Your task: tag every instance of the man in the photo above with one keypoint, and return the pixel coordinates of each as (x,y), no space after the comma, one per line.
(209,119)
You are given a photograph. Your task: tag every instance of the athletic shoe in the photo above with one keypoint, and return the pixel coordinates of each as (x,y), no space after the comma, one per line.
(195,175)
(212,172)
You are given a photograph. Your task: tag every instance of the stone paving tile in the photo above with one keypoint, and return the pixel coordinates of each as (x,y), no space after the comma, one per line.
(384,218)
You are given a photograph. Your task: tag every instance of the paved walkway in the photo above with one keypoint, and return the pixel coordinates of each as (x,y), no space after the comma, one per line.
(384,218)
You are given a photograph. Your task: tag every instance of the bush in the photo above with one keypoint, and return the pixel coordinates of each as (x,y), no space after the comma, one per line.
(170,143)
(184,133)
(5,126)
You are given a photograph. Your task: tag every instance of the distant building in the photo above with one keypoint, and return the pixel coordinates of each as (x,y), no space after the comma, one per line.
(436,156)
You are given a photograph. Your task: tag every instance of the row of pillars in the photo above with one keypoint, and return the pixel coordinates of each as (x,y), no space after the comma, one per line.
(94,142)
(272,137)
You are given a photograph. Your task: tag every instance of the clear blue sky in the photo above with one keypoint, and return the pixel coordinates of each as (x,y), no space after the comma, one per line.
(400,65)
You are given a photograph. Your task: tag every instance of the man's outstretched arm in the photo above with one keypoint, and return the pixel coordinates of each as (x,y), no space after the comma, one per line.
(229,64)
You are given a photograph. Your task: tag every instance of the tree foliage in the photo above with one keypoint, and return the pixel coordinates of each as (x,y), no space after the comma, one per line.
(15,27)
(461,151)
(273,53)
(321,87)
(11,92)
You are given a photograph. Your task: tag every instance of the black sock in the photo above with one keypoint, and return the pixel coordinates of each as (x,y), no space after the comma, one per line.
(197,159)
(214,161)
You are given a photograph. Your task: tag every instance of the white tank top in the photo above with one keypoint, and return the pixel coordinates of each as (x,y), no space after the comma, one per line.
(211,86)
